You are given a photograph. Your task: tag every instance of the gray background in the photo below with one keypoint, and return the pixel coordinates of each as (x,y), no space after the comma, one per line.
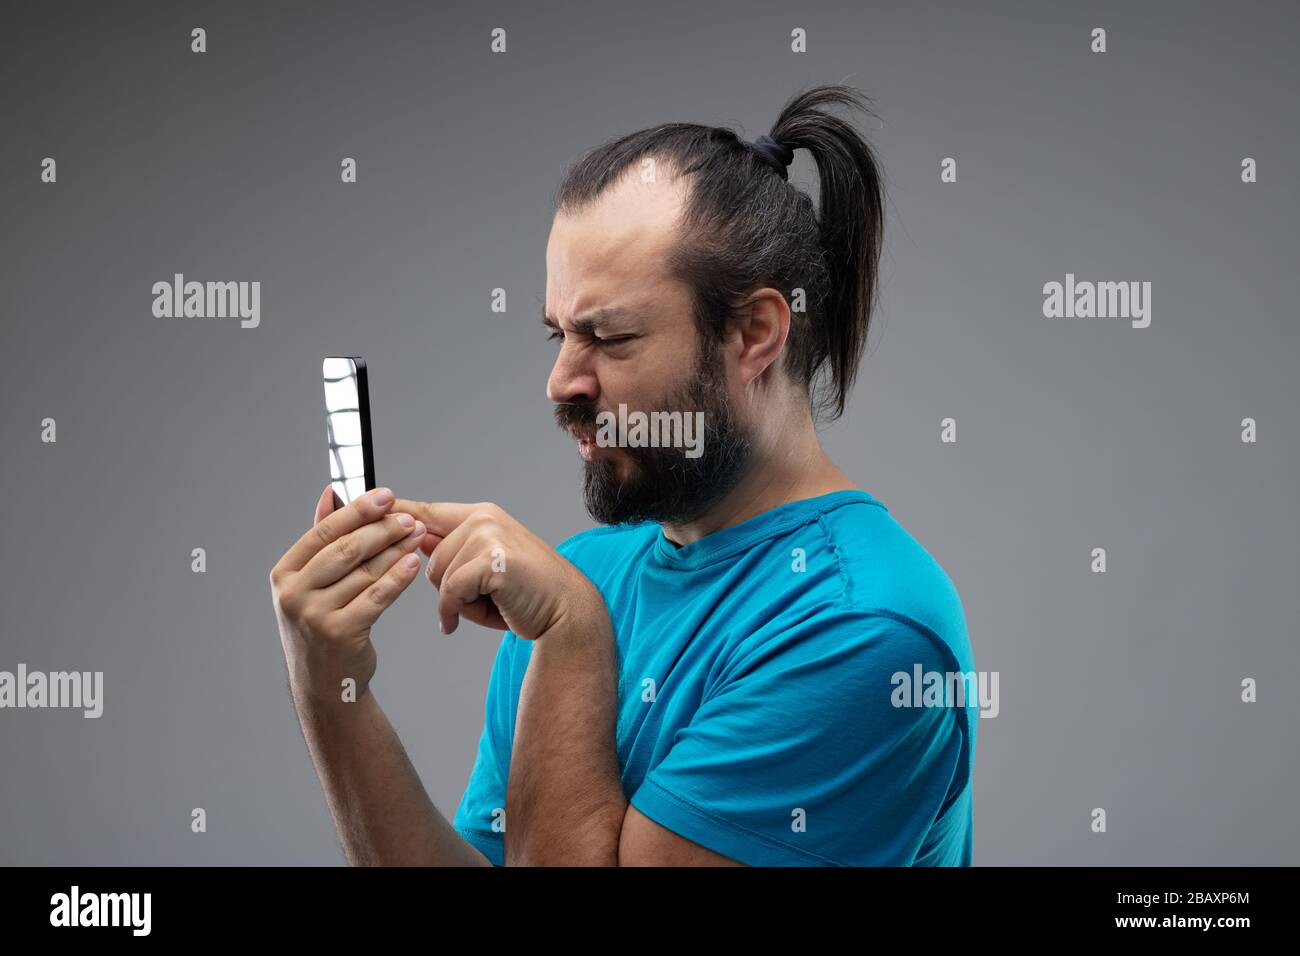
(1118,690)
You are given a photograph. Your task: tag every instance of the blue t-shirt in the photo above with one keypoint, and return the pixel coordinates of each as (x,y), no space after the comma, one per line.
(758,700)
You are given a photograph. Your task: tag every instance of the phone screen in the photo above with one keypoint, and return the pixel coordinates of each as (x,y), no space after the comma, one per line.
(347,422)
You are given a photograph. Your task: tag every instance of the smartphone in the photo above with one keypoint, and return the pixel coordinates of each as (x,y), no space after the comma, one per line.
(347,423)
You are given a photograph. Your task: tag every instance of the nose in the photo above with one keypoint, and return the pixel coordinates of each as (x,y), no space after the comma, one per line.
(572,379)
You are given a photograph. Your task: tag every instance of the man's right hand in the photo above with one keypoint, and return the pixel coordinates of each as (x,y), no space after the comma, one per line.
(330,587)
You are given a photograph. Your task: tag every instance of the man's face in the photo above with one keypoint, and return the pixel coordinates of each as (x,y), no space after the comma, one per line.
(626,336)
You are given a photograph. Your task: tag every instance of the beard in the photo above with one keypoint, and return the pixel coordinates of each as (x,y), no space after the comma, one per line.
(663,485)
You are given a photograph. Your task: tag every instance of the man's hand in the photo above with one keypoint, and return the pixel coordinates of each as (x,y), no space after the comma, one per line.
(332,585)
(329,588)
(491,570)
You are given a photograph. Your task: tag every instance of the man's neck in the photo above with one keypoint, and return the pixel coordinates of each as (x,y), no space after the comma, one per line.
(789,470)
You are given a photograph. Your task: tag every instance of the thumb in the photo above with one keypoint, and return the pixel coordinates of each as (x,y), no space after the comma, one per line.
(325,504)
(429,542)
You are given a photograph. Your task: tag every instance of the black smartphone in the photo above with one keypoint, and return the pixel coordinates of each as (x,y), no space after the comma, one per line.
(347,422)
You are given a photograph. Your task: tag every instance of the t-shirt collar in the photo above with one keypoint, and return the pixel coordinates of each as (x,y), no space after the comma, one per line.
(736,538)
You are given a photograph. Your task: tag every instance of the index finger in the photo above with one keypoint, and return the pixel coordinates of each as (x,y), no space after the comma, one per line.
(369,507)
(440,518)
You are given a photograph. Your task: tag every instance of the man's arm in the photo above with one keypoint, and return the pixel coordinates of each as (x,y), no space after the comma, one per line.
(565,802)
(381,810)
(564,799)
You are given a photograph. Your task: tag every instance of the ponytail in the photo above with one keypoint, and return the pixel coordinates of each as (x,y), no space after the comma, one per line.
(850,221)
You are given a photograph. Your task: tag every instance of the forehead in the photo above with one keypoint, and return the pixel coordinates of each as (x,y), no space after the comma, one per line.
(612,253)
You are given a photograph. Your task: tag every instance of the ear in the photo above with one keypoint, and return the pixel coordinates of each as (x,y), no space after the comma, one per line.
(761,333)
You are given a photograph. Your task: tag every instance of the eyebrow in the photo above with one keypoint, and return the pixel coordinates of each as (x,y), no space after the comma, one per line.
(591,321)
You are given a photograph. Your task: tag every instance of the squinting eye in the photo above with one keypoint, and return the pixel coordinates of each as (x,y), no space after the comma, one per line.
(617,340)
(555,336)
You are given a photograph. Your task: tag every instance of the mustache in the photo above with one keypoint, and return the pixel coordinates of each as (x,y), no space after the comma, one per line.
(576,414)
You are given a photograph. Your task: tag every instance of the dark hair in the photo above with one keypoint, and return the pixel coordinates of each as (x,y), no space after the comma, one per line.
(744,228)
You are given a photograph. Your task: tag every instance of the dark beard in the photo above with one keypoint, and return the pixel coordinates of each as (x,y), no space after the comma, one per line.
(665,486)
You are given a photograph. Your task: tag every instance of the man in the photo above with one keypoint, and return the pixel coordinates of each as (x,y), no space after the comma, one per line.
(709,676)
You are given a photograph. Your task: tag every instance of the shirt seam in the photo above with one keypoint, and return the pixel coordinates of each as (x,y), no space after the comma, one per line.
(479,832)
(845,583)
(744,544)
(736,827)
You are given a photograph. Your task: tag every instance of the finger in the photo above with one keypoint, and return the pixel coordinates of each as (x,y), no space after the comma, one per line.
(447,566)
(329,529)
(364,609)
(441,517)
(463,584)
(336,561)
(485,613)
(371,570)
(429,542)
(325,504)
(445,552)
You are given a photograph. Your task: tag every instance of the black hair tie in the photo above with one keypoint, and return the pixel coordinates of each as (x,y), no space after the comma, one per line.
(775,154)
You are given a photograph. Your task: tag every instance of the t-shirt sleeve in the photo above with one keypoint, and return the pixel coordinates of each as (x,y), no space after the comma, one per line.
(799,756)
(480,817)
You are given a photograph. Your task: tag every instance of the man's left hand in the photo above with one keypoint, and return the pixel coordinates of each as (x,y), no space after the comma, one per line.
(491,570)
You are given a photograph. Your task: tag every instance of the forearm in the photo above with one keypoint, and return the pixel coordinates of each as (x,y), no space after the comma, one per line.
(565,803)
(382,813)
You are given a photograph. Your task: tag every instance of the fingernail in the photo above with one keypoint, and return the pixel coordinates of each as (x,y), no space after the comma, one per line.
(405,520)
(412,560)
(382,496)
(419,530)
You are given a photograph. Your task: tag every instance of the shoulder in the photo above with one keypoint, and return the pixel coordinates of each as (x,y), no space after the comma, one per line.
(887,573)
(839,681)
(845,648)
(906,614)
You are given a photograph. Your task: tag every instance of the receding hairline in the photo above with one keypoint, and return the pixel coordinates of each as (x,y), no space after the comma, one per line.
(666,171)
